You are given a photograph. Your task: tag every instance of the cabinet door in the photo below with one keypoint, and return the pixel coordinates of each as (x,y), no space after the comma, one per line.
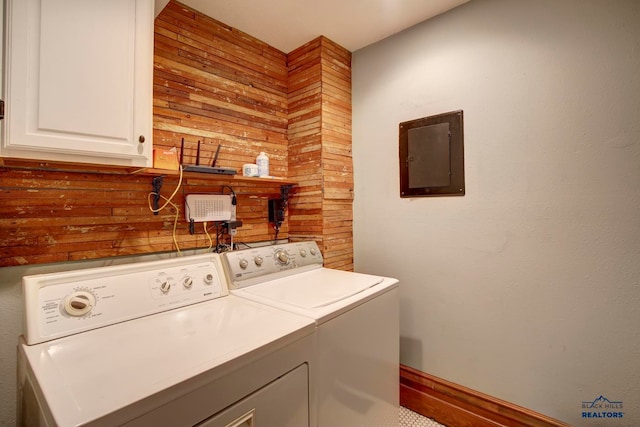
(79,81)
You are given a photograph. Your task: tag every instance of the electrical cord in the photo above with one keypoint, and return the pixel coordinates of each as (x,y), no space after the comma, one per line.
(188,212)
(208,236)
(277,228)
(284,197)
(218,232)
(243,243)
(234,200)
(278,224)
(168,201)
(221,246)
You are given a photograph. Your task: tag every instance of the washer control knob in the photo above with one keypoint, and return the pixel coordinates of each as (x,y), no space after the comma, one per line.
(244,263)
(258,260)
(79,303)
(313,251)
(208,279)
(282,257)
(187,282)
(165,287)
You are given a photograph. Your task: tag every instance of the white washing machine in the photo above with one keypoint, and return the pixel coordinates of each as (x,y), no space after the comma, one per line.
(357,327)
(160,344)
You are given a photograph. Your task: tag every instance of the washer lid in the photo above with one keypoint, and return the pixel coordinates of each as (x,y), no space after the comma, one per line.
(316,288)
(106,372)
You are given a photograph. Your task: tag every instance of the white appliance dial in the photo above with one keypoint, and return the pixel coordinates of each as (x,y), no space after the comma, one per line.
(303,253)
(79,303)
(258,260)
(187,282)
(165,286)
(282,257)
(208,279)
(244,263)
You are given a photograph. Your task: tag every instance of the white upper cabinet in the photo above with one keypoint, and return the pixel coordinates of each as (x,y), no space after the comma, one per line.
(79,79)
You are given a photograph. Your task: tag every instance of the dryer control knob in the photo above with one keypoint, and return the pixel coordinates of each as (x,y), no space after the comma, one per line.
(244,263)
(208,279)
(258,260)
(303,253)
(282,257)
(79,303)
(187,282)
(312,251)
(165,286)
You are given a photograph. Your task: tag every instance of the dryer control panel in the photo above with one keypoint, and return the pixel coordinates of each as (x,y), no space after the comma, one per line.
(250,266)
(61,304)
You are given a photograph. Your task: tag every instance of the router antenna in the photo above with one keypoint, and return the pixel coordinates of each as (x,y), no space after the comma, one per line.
(215,158)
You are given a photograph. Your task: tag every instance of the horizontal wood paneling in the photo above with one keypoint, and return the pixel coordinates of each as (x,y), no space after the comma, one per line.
(320,149)
(217,85)
(305,143)
(48,216)
(336,156)
(212,83)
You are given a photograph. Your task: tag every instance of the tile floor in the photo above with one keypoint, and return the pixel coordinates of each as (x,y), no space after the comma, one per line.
(408,418)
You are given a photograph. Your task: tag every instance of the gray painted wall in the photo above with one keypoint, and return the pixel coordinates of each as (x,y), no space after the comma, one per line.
(528,287)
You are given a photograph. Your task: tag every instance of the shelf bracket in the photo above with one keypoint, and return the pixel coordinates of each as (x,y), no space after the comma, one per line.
(157,186)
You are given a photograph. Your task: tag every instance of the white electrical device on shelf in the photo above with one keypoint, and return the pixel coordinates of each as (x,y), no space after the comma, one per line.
(207,207)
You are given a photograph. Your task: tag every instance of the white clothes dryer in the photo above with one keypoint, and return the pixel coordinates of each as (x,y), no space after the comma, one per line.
(160,343)
(357,327)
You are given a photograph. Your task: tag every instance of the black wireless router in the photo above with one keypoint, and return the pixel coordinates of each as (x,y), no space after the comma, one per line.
(205,169)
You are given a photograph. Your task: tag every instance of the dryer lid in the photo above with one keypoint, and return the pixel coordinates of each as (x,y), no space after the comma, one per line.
(316,288)
(109,374)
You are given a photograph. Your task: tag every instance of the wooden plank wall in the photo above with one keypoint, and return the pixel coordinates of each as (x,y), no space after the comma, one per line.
(218,85)
(305,143)
(336,155)
(320,149)
(54,216)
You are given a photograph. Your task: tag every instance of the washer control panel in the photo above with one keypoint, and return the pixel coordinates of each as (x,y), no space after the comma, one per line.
(66,303)
(249,266)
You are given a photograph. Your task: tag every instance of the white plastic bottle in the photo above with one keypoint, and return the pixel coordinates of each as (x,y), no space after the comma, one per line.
(263,164)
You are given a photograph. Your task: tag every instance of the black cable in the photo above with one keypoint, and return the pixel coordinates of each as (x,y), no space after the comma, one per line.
(243,243)
(234,200)
(192,229)
(220,226)
(277,228)
(234,203)
(217,238)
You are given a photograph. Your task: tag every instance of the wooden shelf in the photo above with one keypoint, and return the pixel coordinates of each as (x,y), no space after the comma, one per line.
(26,164)
(214,177)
